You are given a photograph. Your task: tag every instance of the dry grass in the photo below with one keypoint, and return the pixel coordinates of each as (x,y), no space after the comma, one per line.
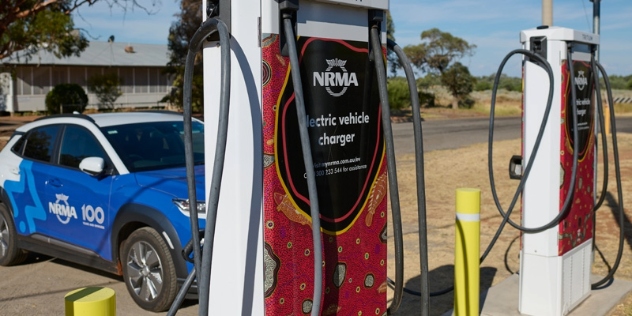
(509,103)
(447,170)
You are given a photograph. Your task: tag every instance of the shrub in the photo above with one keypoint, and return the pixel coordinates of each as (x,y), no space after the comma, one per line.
(426,99)
(398,93)
(107,88)
(482,85)
(66,98)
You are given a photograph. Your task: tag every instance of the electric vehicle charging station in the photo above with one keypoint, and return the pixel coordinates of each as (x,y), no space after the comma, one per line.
(263,250)
(555,264)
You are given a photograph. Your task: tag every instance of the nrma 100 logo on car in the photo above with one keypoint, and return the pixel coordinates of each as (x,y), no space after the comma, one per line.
(63,211)
(342,78)
(91,216)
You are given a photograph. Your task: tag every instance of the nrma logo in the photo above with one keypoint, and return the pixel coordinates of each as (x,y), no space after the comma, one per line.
(63,211)
(335,79)
(581,81)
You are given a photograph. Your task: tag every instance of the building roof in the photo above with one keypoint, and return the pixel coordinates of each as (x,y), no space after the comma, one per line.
(101,54)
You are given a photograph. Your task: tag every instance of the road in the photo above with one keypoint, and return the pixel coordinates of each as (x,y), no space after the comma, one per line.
(456,133)
(38,286)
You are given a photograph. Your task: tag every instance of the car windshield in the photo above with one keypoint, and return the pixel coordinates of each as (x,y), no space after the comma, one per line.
(154,145)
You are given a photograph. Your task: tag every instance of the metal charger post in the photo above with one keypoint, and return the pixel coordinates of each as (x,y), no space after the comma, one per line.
(263,205)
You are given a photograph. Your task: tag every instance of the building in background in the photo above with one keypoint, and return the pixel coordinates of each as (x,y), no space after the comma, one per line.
(24,82)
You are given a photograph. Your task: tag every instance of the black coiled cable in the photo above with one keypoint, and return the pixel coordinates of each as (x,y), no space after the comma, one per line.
(421,186)
(544,64)
(308,162)
(203,260)
(569,197)
(617,167)
(380,69)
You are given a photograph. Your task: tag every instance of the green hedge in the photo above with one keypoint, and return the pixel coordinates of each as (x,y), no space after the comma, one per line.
(66,98)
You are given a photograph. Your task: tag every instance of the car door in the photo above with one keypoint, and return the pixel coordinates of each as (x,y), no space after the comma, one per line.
(28,194)
(79,200)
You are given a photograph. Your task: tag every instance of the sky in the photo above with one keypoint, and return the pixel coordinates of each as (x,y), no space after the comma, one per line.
(492,25)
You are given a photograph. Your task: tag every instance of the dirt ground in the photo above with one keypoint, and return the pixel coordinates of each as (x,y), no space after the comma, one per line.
(447,170)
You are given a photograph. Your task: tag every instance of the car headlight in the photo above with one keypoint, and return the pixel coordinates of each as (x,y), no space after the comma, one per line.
(183,206)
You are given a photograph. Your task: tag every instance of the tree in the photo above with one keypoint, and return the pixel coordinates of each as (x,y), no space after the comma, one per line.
(180,34)
(66,98)
(458,80)
(30,25)
(107,88)
(437,53)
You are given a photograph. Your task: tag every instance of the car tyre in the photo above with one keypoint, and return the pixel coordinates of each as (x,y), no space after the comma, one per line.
(148,270)
(10,254)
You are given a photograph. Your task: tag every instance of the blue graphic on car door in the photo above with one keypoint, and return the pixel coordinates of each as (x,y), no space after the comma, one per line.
(26,194)
(76,202)
(26,204)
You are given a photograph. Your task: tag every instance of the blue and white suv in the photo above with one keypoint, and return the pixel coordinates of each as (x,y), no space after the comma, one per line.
(104,190)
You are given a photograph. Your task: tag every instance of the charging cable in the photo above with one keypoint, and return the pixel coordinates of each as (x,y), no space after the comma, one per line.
(378,60)
(203,259)
(421,187)
(307,159)
(615,148)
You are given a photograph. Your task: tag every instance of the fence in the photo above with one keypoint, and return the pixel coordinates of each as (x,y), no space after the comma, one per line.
(622,100)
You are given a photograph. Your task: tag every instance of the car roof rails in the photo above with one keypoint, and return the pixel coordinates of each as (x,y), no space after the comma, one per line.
(73,115)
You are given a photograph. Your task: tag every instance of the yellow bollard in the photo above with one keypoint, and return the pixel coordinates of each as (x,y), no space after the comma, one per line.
(606,119)
(467,252)
(91,301)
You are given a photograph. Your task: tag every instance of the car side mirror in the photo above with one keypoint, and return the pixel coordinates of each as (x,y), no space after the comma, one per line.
(92,165)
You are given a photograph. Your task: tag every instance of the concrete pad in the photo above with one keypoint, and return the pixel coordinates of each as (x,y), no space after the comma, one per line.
(502,299)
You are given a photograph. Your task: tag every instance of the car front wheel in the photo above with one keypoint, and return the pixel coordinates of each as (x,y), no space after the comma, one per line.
(148,270)
(10,254)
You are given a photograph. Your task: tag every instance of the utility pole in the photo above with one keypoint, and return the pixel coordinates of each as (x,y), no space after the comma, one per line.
(547,12)
(596,21)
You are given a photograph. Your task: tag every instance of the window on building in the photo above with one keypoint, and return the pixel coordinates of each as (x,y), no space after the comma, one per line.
(78,76)
(94,71)
(168,82)
(127,76)
(141,76)
(24,81)
(59,75)
(154,80)
(41,80)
